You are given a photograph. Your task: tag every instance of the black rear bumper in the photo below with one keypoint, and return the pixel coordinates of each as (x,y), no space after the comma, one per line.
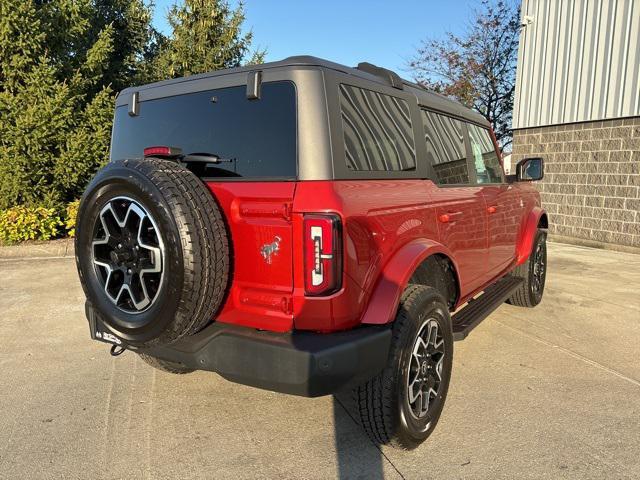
(299,363)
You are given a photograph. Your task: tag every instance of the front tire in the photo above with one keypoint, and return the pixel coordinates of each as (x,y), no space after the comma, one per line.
(534,274)
(401,405)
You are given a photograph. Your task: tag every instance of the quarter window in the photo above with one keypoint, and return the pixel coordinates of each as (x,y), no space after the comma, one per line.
(378,135)
(485,158)
(445,148)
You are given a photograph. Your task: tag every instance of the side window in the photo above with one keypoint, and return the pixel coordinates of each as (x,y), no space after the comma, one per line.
(485,158)
(445,148)
(378,135)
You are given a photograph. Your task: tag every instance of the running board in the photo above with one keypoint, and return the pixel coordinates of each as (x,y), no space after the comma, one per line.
(481,307)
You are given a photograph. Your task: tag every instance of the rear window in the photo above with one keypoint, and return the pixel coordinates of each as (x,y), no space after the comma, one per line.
(257,137)
(377,131)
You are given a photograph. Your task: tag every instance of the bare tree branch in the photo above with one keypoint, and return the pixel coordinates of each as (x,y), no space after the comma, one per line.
(478,67)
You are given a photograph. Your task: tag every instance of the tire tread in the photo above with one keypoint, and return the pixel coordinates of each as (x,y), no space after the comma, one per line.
(375,399)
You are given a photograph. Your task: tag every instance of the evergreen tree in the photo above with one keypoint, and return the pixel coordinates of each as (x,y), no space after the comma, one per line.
(59,64)
(206,35)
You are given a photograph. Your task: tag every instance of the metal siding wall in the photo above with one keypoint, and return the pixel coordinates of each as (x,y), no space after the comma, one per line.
(578,61)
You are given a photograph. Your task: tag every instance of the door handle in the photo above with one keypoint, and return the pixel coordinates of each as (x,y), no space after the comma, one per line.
(492,209)
(448,217)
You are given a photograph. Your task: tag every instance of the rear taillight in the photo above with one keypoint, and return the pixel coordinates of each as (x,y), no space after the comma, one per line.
(322,254)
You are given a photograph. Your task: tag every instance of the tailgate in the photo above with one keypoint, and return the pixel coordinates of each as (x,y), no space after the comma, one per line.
(259,218)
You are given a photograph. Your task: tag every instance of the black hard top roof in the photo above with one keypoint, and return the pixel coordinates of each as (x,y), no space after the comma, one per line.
(425,97)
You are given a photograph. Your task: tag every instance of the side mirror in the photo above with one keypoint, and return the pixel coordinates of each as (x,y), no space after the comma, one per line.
(530,170)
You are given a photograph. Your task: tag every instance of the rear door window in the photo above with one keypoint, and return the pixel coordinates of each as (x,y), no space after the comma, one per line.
(485,158)
(378,134)
(446,150)
(256,138)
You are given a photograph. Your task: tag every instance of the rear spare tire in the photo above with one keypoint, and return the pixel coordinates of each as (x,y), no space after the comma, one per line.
(152,251)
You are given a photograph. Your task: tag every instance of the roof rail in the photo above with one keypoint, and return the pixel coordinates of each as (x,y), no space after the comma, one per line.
(389,76)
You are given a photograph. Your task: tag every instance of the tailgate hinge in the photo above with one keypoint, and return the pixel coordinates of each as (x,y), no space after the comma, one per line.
(287,210)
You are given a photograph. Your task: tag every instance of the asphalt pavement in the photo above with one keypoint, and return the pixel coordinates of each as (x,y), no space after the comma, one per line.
(550,392)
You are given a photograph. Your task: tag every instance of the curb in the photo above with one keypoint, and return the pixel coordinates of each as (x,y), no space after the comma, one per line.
(580,242)
(51,249)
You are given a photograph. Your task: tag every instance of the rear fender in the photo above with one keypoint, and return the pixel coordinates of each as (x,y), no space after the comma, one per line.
(394,278)
(528,234)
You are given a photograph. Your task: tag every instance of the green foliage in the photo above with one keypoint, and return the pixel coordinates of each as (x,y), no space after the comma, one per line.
(71,212)
(478,67)
(206,35)
(21,223)
(58,60)
(61,62)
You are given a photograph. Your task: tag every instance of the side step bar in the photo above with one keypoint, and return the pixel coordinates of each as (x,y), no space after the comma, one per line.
(481,307)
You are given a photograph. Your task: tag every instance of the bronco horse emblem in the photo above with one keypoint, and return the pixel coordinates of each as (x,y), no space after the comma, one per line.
(269,249)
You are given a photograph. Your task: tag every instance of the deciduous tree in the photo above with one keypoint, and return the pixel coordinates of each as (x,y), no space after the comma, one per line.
(477,67)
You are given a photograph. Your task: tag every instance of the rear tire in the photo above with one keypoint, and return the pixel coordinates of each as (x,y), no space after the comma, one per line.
(384,404)
(534,274)
(165,365)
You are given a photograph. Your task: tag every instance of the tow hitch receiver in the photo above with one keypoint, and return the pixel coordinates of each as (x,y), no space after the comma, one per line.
(116,350)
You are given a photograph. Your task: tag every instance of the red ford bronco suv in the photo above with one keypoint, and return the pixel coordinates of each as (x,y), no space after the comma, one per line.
(306,227)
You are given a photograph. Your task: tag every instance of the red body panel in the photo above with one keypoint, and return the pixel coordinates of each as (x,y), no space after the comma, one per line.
(258,215)
(528,228)
(465,232)
(389,228)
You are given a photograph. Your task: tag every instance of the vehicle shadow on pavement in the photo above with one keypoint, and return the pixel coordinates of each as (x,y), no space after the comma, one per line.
(357,456)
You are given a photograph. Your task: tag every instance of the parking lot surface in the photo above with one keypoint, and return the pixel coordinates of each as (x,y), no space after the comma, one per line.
(550,392)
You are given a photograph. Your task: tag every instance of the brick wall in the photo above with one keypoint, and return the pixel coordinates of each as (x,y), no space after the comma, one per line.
(452,172)
(591,187)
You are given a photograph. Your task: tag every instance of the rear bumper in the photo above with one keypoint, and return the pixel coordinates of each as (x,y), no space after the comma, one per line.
(299,363)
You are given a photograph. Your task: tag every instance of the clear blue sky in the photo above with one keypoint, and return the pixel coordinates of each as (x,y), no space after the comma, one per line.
(385,33)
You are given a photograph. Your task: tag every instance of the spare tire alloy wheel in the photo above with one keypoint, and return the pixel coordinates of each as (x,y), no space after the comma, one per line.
(128,253)
(152,251)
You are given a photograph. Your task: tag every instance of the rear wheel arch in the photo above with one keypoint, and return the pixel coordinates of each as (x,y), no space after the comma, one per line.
(439,271)
(399,272)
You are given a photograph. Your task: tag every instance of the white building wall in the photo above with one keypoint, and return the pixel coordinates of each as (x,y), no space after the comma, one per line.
(578,60)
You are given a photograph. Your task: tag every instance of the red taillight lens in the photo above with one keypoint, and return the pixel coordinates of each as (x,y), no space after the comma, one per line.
(322,254)
(162,151)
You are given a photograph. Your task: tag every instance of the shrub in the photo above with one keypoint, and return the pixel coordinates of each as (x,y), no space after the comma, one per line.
(28,223)
(71,212)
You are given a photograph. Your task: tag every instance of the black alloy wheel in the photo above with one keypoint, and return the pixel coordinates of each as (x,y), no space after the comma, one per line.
(424,375)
